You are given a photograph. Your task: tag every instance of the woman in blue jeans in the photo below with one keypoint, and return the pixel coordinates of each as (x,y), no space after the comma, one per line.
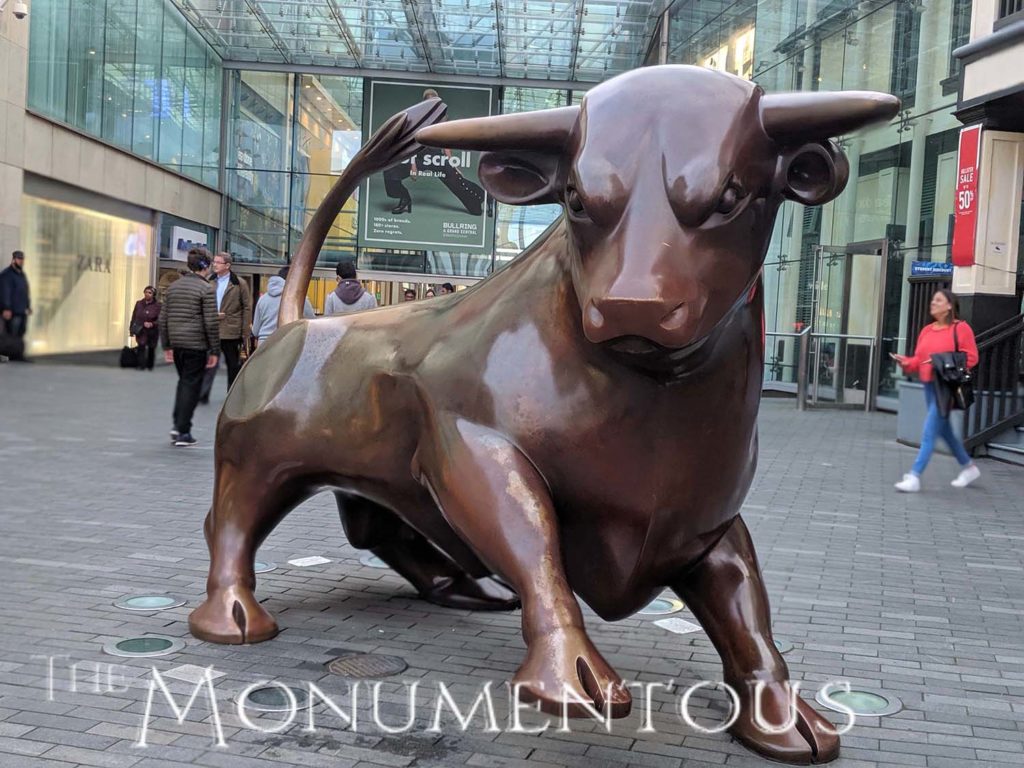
(939,337)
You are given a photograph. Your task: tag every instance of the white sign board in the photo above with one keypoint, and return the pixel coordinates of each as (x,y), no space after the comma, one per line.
(183,239)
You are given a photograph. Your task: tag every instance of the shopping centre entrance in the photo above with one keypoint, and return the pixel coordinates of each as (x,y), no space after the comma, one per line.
(845,344)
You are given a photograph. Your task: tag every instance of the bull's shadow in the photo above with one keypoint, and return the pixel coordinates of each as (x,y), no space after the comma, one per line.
(584,419)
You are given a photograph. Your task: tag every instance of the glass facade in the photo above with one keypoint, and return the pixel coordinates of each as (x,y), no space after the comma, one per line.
(137,74)
(87,270)
(825,265)
(133,73)
(290,135)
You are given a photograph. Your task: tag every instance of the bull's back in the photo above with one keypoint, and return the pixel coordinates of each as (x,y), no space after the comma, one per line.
(330,395)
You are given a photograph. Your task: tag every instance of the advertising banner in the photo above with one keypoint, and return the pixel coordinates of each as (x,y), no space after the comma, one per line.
(965,218)
(434,200)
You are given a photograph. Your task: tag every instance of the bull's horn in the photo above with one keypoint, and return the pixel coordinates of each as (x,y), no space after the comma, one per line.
(546,129)
(811,115)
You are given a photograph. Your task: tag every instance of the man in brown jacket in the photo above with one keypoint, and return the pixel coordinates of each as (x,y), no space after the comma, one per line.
(234,308)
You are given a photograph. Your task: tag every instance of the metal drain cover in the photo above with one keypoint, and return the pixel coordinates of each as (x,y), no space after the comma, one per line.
(367,666)
(372,561)
(662,606)
(783,646)
(865,702)
(272,698)
(149,602)
(145,646)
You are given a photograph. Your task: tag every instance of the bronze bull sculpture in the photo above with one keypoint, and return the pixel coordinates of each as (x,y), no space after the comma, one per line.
(584,420)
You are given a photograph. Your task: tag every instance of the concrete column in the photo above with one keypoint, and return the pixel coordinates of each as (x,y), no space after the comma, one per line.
(13,79)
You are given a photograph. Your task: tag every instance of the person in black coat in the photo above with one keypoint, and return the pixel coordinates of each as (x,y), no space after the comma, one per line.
(145,327)
(15,300)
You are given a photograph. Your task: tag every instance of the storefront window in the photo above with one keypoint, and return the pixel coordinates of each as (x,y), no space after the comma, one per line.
(518,226)
(133,73)
(328,133)
(87,270)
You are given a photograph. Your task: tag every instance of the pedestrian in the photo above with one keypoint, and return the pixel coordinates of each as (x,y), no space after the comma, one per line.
(946,334)
(190,332)
(447,288)
(429,294)
(264,321)
(409,295)
(145,327)
(349,295)
(234,310)
(15,303)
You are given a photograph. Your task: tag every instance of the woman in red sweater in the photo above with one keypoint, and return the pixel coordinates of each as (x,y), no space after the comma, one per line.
(938,337)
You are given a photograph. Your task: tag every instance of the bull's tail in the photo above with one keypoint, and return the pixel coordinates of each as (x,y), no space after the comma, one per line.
(392,143)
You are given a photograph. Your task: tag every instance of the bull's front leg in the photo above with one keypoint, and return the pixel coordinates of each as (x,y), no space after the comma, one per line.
(499,503)
(726,593)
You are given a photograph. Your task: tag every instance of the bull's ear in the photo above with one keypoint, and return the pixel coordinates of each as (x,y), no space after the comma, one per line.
(521,177)
(814,173)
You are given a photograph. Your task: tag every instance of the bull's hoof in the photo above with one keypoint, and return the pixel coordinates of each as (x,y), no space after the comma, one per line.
(469,594)
(811,740)
(232,616)
(564,668)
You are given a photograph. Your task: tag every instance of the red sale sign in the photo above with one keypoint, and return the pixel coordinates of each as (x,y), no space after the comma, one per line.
(965,219)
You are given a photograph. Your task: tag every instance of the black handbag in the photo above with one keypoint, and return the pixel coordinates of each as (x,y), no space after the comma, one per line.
(10,345)
(952,376)
(129,357)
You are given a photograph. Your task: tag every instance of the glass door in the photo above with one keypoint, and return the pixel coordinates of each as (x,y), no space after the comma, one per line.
(849,284)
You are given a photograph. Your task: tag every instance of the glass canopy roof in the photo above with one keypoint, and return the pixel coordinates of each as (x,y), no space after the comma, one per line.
(578,40)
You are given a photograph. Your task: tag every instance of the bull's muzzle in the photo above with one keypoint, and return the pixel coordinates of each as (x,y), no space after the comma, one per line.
(667,323)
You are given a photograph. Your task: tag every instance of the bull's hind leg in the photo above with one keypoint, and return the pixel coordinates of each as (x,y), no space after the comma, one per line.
(437,578)
(726,593)
(248,503)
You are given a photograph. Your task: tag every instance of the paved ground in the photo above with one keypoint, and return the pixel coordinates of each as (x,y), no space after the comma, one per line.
(917,595)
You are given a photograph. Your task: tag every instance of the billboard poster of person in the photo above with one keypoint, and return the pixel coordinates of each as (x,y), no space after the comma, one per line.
(433,200)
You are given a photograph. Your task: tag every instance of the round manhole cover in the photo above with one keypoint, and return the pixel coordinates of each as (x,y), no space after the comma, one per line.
(367,666)
(783,646)
(863,701)
(149,603)
(372,561)
(263,567)
(150,645)
(274,698)
(662,606)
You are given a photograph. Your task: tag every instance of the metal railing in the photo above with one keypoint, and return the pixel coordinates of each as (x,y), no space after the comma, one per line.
(775,367)
(1009,8)
(998,384)
(825,368)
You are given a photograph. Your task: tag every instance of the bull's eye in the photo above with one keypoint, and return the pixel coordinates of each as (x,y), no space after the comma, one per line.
(573,201)
(731,198)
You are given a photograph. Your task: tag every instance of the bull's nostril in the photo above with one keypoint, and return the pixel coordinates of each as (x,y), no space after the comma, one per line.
(675,319)
(594,317)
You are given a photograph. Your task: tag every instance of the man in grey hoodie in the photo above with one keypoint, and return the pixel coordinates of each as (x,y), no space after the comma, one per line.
(349,296)
(264,320)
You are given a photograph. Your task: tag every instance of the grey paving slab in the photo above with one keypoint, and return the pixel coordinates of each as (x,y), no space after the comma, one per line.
(918,595)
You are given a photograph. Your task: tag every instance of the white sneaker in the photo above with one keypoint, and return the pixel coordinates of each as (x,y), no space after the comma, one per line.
(910,483)
(967,476)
